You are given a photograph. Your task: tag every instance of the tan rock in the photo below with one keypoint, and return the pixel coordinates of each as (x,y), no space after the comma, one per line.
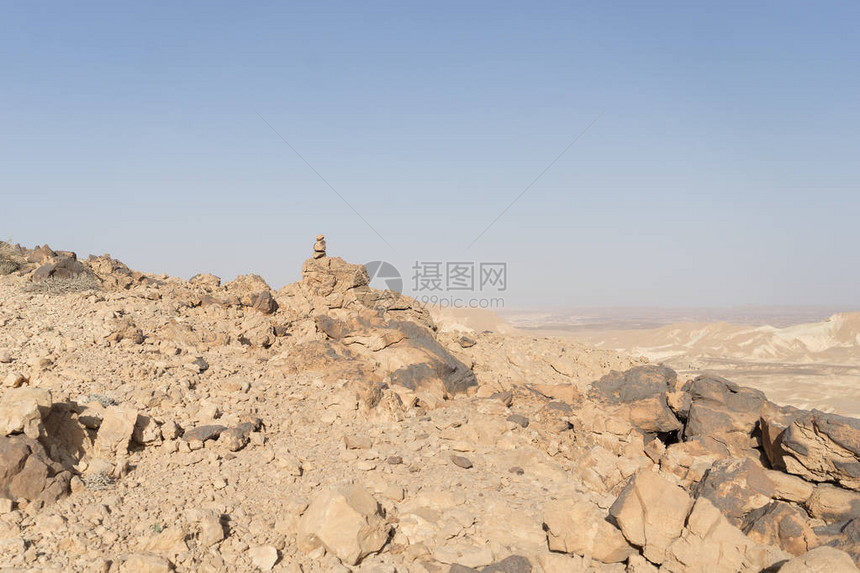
(576,526)
(783,525)
(145,563)
(560,563)
(14,380)
(170,541)
(21,411)
(115,431)
(788,487)
(346,520)
(638,564)
(689,461)
(736,487)
(823,447)
(710,543)
(464,554)
(821,560)
(263,557)
(651,513)
(833,503)
(146,430)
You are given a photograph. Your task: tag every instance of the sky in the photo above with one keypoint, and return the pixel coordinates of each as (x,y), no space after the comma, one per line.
(609,153)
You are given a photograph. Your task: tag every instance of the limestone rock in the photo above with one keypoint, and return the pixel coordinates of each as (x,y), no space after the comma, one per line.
(833,503)
(205,432)
(145,563)
(21,411)
(407,351)
(788,487)
(210,530)
(61,268)
(346,520)
(576,526)
(823,447)
(773,423)
(332,275)
(146,430)
(691,460)
(783,525)
(820,560)
(14,379)
(170,541)
(26,471)
(206,280)
(561,563)
(115,431)
(512,564)
(720,408)
(651,513)
(843,535)
(263,557)
(736,487)
(263,302)
(319,247)
(639,394)
(710,543)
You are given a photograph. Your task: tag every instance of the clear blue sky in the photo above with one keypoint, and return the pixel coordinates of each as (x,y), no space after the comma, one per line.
(723,171)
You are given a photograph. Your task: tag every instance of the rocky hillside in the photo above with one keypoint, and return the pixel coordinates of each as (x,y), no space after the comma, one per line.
(150,423)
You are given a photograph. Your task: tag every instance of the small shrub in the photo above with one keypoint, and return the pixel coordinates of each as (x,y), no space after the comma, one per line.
(53,286)
(8,262)
(98,481)
(102,399)
(7,267)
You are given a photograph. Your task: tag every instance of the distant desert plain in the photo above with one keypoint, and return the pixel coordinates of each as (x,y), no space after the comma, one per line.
(808,357)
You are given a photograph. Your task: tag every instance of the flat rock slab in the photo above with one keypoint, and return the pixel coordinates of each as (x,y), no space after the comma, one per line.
(462,462)
(203,433)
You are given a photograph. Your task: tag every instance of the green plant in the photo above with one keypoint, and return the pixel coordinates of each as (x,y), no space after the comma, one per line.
(157,528)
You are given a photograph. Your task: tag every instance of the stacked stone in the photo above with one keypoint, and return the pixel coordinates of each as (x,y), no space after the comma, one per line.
(319,247)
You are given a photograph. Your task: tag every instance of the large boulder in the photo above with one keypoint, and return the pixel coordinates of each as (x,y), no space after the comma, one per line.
(639,394)
(332,276)
(736,486)
(773,423)
(843,535)
(832,503)
(723,411)
(691,460)
(21,411)
(823,447)
(783,525)
(820,560)
(407,351)
(710,543)
(26,471)
(115,431)
(651,513)
(347,521)
(61,268)
(576,526)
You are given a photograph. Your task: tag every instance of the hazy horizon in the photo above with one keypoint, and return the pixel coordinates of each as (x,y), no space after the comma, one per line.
(711,151)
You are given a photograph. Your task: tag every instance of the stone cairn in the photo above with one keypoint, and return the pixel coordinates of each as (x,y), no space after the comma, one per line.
(319,247)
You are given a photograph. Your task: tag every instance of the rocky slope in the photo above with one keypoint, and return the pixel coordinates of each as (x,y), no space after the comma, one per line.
(149,423)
